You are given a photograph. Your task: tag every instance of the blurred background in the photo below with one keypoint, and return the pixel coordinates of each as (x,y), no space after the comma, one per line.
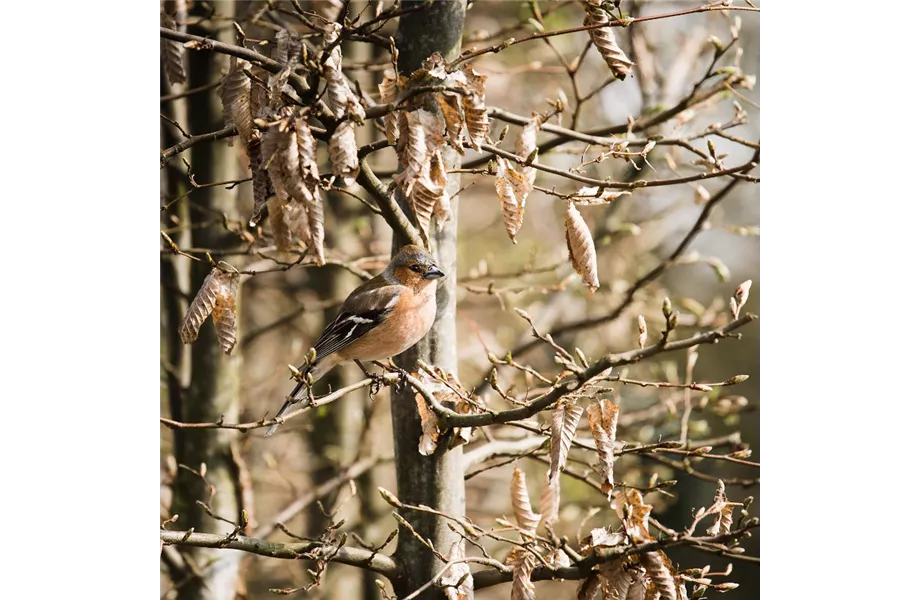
(281,313)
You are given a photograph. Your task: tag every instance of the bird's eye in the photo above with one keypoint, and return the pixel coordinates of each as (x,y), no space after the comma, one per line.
(417,268)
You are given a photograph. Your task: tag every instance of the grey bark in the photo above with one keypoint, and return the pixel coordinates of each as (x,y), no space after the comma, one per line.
(214,383)
(436,480)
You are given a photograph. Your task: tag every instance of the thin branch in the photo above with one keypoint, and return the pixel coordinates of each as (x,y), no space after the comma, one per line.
(356,557)
(393,214)
(184,145)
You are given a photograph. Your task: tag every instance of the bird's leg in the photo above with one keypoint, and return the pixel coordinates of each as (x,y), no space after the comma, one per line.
(392,368)
(376,378)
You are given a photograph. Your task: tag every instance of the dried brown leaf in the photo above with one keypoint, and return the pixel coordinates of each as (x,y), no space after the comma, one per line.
(342,101)
(660,570)
(635,514)
(258,90)
(723,510)
(276,217)
(276,85)
(589,587)
(617,579)
(217,295)
(457,581)
(581,247)
(474,106)
(200,307)
(261,185)
(224,314)
(522,588)
(549,501)
(526,143)
(344,152)
(428,441)
(520,502)
(463,435)
(452,112)
(171,53)
(639,590)
(418,142)
(605,41)
(565,422)
(235,95)
(289,151)
(389,93)
(442,210)
(602,417)
(512,189)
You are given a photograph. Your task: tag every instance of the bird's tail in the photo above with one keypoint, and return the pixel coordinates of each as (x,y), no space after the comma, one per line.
(299,393)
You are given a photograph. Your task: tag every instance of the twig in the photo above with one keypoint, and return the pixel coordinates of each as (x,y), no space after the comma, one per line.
(356,557)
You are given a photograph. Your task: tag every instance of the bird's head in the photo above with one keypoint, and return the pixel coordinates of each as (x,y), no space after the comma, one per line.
(415,267)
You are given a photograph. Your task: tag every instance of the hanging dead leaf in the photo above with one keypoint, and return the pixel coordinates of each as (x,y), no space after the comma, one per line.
(723,510)
(280,230)
(662,573)
(344,152)
(457,581)
(453,118)
(526,143)
(581,247)
(589,587)
(619,577)
(422,137)
(258,90)
(549,501)
(428,441)
(522,588)
(200,307)
(342,101)
(442,210)
(474,106)
(277,82)
(602,418)
(261,185)
(171,53)
(235,95)
(605,41)
(635,513)
(217,295)
(389,93)
(512,189)
(565,422)
(224,314)
(520,501)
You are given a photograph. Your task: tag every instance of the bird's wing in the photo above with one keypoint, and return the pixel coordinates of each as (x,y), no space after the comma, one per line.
(363,310)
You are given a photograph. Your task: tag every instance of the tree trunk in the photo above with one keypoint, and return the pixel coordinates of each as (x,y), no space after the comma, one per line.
(436,480)
(214,385)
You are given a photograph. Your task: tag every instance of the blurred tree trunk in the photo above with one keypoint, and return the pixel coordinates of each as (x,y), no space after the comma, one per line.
(436,480)
(214,383)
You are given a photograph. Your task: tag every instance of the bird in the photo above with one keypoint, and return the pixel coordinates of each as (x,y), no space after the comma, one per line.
(381,318)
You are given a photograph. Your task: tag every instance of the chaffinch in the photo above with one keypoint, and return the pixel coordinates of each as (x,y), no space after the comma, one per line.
(382,317)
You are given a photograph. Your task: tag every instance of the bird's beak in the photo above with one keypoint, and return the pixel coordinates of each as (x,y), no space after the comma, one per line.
(433,273)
